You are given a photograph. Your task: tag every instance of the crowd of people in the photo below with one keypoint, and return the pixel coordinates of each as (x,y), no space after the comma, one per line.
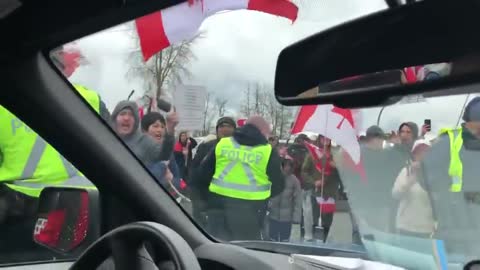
(245,185)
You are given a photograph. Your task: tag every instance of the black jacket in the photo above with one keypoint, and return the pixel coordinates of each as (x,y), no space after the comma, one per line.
(196,191)
(202,151)
(184,165)
(247,135)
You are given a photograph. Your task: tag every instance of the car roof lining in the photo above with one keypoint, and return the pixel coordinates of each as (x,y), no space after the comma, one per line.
(49,23)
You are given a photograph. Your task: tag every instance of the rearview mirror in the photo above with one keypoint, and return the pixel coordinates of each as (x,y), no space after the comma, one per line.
(67,219)
(415,48)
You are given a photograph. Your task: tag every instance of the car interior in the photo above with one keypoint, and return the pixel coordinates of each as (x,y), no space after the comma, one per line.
(139,225)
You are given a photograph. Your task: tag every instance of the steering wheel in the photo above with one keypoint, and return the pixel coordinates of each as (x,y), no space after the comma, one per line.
(139,245)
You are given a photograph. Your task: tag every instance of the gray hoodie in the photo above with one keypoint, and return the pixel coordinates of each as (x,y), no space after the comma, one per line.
(142,145)
(287,206)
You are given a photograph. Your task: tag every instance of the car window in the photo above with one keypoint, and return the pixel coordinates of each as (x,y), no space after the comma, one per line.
(395,182)
(28,165)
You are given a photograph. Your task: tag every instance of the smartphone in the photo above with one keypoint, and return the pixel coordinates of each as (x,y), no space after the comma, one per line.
(428,122)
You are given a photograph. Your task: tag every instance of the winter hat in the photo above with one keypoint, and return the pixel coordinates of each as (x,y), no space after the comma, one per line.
(472,111)
(151,118)
(260,123)
(302,137)
(225,121)
(375,132)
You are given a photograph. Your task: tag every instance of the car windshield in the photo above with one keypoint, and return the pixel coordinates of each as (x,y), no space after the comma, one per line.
(381,180)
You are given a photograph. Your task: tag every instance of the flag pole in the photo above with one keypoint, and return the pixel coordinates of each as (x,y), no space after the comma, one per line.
(463,109)
(324,161)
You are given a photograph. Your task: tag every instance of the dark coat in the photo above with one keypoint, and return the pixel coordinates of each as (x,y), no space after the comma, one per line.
(247,135)
(310,174)
(450,209)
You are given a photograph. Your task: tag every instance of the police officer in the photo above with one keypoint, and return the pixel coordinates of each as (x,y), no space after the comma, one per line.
(451,171)
(27,165)
(241,174)
(224,128)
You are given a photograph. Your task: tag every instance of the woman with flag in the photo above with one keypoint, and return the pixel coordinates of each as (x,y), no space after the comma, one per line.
(321,176)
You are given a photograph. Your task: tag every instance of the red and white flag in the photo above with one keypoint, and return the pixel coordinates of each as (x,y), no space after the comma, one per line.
(181,22)
(412,74)
(326,206)
(317,155)
(336,124)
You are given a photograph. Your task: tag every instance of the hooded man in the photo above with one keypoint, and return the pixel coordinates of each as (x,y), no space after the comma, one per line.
(126,121)
(241,174)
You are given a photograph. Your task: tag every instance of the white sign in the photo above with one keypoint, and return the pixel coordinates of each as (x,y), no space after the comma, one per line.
(189,101)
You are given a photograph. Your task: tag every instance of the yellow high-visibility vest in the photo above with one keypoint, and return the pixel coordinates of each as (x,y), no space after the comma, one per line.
(90,96)
(29,163)
(455,169)
(241,171)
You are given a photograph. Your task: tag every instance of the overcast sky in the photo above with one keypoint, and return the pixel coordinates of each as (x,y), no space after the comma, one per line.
(241,47)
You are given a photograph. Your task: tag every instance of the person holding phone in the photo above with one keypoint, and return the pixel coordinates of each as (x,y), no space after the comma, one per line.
(183,153)
(427,127)
(414,213)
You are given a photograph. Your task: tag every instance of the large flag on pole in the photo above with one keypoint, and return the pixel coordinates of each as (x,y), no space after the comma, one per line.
(335,123)
(181,22)
(317,156)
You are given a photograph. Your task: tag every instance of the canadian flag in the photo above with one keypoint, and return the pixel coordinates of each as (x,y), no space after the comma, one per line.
(336,124)
(326,206)
(317,155)
(181,22)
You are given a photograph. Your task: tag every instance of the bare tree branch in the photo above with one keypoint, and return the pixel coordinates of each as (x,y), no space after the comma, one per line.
(260,99)
(165,69)
(221,106)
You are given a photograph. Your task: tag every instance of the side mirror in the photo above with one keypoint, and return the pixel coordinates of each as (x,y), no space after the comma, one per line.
(68,219)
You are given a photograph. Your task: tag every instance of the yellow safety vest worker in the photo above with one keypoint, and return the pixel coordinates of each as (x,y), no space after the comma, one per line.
(90,96)
(455,169)
(241,171)
(29,163)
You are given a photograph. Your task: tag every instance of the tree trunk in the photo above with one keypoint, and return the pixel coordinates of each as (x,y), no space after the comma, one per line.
(159,73)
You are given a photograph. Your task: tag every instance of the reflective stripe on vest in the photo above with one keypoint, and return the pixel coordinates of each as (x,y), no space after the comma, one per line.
(34,188)
(455,169)
(29,172)
(240,171)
